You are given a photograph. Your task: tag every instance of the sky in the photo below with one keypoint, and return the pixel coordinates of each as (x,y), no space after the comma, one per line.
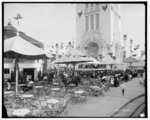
(133,24)
(56,23)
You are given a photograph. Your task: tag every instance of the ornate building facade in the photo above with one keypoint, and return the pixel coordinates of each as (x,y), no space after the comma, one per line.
(98,29)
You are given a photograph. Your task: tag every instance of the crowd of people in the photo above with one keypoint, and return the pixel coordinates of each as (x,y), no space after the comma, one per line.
(113,77)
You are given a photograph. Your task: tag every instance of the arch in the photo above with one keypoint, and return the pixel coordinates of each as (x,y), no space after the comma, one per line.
(92,49)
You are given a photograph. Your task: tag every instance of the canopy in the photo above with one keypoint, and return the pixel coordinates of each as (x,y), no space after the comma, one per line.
(108,60)
(18,48)
(94,61)
(74,52)
(22,48)
(71,60)
(131,60)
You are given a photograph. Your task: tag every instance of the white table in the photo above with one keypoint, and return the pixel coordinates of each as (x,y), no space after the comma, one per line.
(27,96)
(55,89)
(71,85)
(38,86)
(55,83)
(79,92)
(95,87)
(8,92)
(20,85)
(21,112)
(52,101)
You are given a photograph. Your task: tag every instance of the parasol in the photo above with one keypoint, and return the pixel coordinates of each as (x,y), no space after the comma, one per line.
(17,48)
(131,60)
(71,60)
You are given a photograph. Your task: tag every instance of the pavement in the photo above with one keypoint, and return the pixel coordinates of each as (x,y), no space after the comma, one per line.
(111,102)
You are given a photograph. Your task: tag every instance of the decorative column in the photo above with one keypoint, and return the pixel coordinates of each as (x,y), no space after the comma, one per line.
(131,42)
(124,39)
(57,56)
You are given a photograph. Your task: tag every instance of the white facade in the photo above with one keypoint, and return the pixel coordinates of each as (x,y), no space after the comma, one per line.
(98,29)
(27,64)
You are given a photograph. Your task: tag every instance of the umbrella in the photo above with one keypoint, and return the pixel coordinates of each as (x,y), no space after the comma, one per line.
(23,48)
(71,60)
(18,48)
(131,60)
(94,61)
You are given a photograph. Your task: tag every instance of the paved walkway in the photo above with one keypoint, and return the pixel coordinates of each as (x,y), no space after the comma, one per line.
(107,105)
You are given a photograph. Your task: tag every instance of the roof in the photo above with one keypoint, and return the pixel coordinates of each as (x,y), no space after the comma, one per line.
(131,60)
(10,28)
(13,31)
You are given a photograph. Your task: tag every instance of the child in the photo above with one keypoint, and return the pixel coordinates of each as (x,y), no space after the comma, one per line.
(123,88)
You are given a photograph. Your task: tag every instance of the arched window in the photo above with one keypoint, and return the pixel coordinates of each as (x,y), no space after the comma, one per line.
(97,21)
(92,22)
(86,23)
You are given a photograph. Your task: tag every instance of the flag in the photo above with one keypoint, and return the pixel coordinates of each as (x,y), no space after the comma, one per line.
(110,54)
(62,45)
(142,52)
(136,47)
(131,51)
(101,56)
(80,13)
(114,57)
(66,47)
(134,55)
(73,42)
(18,16)
(122,48)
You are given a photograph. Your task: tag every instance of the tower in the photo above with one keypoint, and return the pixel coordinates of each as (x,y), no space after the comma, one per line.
(98,29)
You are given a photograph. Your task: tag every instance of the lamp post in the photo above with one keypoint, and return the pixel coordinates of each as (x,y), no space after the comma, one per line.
(18,17)
(57,46)
(124,39)
(131,42)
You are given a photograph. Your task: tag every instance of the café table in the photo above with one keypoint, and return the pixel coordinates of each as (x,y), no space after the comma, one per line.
(52,102)
(27,96)
(95,87)
(38,87)
(21,112)
(79,92)
(8,92)
(55,84)
(22,86)
(71,85)
(55,89)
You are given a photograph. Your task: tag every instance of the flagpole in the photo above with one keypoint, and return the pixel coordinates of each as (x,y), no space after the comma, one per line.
(57,56)
(124,38)
(16,61)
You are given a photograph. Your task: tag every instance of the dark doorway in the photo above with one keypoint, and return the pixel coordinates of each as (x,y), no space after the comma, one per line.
(29,71)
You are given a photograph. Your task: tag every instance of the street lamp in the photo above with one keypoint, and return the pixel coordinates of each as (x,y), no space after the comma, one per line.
(18,17)
(124,39)
(131,42)
(57,46)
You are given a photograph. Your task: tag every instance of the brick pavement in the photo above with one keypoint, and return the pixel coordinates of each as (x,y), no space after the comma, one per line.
(107,105)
